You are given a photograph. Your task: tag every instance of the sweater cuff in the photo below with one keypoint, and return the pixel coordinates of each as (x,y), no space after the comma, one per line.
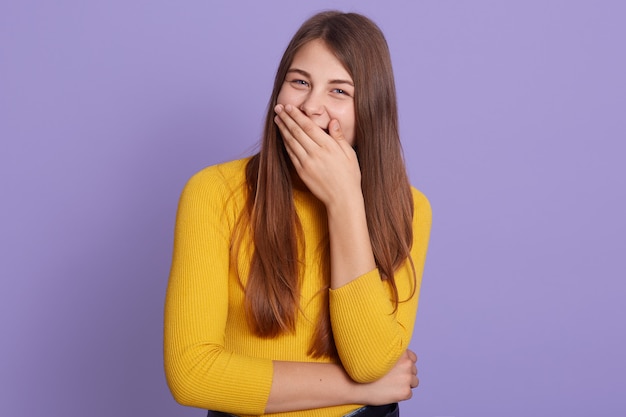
(364,292)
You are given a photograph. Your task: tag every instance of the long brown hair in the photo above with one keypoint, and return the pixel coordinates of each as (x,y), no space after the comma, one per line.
(272,289)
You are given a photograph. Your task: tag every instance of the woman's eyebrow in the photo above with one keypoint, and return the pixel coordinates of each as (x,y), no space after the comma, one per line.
(306,74)
(299,71)
(341,82)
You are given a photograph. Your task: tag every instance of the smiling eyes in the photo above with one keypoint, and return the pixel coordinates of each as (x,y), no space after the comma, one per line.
(302,84)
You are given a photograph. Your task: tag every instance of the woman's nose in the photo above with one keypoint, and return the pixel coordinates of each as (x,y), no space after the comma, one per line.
(312,105)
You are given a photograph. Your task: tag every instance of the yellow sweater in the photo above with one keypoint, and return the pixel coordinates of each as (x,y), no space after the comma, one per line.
(213,360)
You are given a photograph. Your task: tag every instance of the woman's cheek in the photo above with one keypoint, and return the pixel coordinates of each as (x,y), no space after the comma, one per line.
(345,116)
(282,97)
(288,96)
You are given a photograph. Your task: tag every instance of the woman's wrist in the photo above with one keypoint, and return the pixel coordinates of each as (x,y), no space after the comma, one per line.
(346,203)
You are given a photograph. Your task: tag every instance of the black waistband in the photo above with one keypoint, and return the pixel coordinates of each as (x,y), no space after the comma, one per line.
(389,410)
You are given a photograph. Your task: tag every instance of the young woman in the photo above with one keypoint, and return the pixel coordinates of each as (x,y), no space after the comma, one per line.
(296,272)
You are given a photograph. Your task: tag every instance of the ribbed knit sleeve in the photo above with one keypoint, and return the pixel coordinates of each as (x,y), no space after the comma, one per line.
(200,371)
(369,335)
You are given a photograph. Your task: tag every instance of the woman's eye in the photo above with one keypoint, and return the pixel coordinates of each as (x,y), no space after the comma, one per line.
(300,83)
(341,92)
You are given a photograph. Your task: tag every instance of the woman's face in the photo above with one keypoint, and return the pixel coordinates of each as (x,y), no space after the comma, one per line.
(319,85)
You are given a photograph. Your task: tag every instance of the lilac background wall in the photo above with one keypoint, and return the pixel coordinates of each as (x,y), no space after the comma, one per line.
(513,119)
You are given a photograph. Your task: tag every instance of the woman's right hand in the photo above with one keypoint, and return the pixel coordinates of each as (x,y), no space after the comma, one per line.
(396,385)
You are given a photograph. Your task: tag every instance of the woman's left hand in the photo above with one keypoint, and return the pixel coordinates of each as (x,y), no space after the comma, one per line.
(326,163)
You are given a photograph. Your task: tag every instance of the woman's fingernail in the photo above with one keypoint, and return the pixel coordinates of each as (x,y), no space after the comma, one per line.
(288,107)
(335,126)
(278,108)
